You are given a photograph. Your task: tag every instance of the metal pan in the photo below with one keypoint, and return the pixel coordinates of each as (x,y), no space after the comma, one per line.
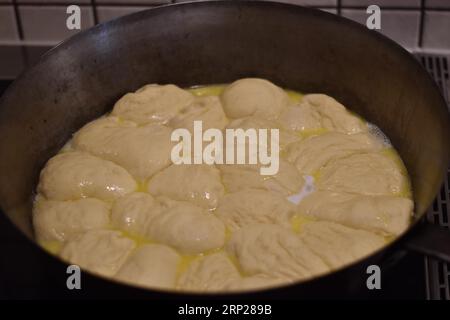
(218,42)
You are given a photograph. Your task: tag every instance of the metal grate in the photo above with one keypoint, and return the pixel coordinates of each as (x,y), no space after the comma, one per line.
(437,273)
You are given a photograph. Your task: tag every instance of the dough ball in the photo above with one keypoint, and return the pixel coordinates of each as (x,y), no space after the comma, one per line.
(338,245)
(133,212)
(381,214)
(240,177)
(251,96)
(314,152)
(199,184)
(365,173)
(141,150)
(274,251)
(99,251)
(319,111)
(285,137)
(151,265)
(210,273)
(61,220)
(207,109)
(152,104)
(252,206)
(186,227)
(75,175)
(256,282)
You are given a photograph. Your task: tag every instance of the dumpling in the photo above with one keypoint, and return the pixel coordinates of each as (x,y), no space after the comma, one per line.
(141,150)
(75,175)
(365,173)
(133,212)
(152,104)
(254,206)
(186,227)
(252,122)
(240,177)
(207,109)
(251,96)
(319,111)
(256,282)
(275,251)
(381,214)
(199,184)
(212,272)
(100,251)
(151,265)
(61,220)
(314,152)
(338,245)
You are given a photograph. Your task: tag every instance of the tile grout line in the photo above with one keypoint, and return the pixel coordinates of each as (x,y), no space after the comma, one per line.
(94,11)
(18,19)
(421,24)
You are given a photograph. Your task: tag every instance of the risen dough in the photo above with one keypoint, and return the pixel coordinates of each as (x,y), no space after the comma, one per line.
(186,227)
(314,152)
(152,265)
(258,281)
(112,201)
(133,212)
(199,184)
(240,177)
(100,251)
(211,273)
(273,250)
(252,206)
(141,150)
(75,175)
(253,122)
(216,272)
(258,97)
(61,220)
(319,111)
(153,103)
(365,173)
(206,109)
(338,245)
(383,214)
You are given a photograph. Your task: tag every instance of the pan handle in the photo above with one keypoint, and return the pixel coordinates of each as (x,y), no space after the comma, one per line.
(431,240)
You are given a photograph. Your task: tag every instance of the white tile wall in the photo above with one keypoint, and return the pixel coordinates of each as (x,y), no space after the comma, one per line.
(131,2)
(48,24)
(383,3)
(45,24)
(54,1)
(316,3)
(437,4)
(437,30)
(401,26)
(8,26)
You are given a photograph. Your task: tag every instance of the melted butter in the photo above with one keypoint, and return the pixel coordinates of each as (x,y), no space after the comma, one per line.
(204,91)
(52,247)
(184,263)
(298,220)
(406,190)
(312,132)
(141,186)
(294,95)
(139,240)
